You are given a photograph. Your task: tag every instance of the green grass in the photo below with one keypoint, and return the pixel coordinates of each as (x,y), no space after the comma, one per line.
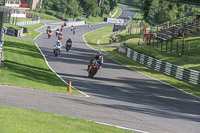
(31,33)
(118,12)
(23,121)
(20,19)
(24,66)
(45,16)
(114,54)
(11,25)
(103,35)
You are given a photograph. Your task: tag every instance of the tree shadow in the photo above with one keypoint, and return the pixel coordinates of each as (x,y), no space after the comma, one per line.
(32,73)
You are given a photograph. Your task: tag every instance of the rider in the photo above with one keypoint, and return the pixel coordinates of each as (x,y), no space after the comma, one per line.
(62,28)
(60,36)
(69,41)
(50,32)
(48,28)
(72,27)
(97,59)
(58,45)
(74,30)
(57,32)
(89,25)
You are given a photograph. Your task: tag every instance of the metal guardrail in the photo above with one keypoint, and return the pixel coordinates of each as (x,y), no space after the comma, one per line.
(26,23)
(1,47)
(178,72)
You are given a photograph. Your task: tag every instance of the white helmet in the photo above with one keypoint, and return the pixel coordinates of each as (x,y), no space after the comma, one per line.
(58,41)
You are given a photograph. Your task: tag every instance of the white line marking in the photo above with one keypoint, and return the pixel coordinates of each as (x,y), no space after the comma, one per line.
(59,75)
(37,35)
(38,31)
(129,129)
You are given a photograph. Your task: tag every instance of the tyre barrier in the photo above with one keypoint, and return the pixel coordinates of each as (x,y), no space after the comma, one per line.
(178,72)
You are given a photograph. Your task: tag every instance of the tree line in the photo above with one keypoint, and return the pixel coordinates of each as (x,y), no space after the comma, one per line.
(74,8)
(159,11)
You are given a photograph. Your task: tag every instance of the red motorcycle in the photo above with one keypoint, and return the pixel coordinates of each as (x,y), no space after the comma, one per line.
(93,70)
(61,29)
(50,34)
(60,37)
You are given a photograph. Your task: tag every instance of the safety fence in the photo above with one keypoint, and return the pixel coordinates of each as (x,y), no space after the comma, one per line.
(26,23)
(1,46)
(169,69)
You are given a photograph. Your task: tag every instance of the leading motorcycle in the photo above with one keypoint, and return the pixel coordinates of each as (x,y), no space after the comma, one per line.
(92,70)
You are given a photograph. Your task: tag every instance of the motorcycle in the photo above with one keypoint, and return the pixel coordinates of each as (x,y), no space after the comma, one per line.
(60,37)
(92,70)
(68,46)
(56,51)
(50,34)
(61,29)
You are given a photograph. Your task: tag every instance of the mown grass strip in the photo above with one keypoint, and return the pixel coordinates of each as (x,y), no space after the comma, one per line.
(45,16)
(119,11)
(24,66)
(21,121)
(31,30)
(100,36)
(11,25)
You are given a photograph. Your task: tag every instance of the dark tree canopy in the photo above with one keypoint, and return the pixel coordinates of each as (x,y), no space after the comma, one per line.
(74,8)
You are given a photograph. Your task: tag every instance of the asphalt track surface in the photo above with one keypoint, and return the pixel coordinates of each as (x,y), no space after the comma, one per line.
(118,95)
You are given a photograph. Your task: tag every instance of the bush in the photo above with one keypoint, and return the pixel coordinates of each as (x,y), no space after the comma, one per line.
(50,12)
(42,11)
(59,14)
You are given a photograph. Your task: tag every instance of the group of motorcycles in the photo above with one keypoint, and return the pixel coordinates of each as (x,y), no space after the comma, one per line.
(95,62)
(58,46)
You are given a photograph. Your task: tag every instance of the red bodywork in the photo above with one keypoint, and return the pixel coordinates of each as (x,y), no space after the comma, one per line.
(93,70)
(61,29)
(60,37)
(50,34)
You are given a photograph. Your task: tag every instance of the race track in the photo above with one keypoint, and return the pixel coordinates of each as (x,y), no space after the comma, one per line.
(118,95)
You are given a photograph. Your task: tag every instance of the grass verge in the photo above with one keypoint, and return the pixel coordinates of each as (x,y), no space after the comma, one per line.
(11,25)
(20,19)
(21,121)
(45,16)
(24,66)
(113,53)
(118,12)
(31,29)
(100,36)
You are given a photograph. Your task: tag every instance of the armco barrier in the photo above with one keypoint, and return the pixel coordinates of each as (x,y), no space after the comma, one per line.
(1,47)
(169,69)
(26,23)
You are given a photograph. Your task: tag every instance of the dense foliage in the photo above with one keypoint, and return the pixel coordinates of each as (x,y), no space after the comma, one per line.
(74,8)
(158,11)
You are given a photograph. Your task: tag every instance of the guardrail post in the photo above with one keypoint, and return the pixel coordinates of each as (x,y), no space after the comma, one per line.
(188,49)
(195,51)
(177,48)
(182,53)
